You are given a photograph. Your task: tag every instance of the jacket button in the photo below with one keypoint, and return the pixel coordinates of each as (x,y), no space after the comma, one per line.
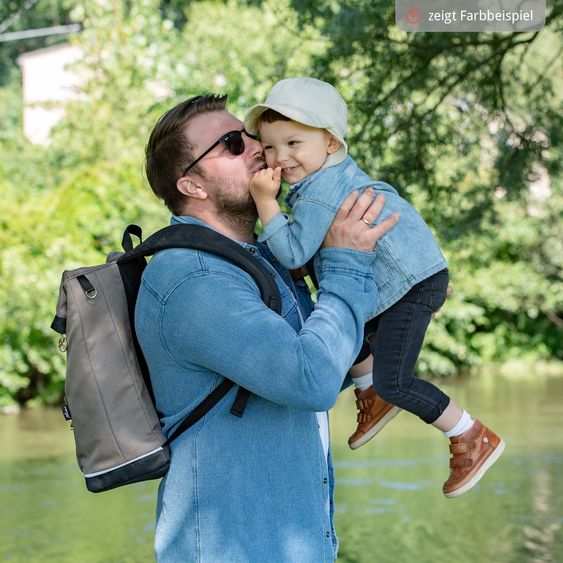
(325,480)
(328,534)
(252,250)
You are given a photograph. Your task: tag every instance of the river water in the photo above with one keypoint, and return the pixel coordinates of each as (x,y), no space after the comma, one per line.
(389,505)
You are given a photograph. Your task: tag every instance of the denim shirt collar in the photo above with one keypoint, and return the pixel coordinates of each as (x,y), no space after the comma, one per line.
(189,220)
(347,166)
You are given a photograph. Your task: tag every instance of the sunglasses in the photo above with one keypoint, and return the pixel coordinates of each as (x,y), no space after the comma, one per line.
(232,140)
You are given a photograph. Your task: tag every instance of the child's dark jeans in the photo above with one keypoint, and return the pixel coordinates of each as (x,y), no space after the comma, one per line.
(399,333)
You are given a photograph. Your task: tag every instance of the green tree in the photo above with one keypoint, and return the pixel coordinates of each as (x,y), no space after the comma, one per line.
(22,15)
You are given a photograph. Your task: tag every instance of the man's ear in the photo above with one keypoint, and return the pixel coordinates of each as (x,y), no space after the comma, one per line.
(191,188)
(333,144)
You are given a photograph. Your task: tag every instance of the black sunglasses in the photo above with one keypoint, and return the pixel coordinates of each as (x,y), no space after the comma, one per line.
(232,140)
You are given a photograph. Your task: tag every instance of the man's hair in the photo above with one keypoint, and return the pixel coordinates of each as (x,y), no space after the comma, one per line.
(169,151)
(270,116)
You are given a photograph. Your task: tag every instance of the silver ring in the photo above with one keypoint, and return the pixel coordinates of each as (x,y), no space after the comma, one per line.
(366,222)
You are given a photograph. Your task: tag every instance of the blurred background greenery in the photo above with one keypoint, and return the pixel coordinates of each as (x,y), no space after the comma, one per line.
(466,125)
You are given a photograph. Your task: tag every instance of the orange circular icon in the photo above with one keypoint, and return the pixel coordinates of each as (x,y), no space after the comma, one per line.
(412,15)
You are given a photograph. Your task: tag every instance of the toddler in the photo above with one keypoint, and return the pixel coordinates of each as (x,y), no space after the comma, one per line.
(301,125)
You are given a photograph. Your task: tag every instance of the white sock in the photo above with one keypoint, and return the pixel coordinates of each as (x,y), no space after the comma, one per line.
(363,381)
(463,425)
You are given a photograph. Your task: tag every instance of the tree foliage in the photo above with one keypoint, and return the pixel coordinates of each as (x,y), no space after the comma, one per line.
(466,126)
(21,15)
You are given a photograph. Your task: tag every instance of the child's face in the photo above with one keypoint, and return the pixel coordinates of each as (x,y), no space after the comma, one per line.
(298,149)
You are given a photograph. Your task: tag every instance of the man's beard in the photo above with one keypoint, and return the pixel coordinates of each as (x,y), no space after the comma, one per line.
(234,203)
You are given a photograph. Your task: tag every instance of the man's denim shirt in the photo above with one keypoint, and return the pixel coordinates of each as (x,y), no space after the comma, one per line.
(406,255)
(254,488)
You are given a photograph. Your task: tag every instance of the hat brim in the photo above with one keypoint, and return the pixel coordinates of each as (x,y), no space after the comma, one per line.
(252,117)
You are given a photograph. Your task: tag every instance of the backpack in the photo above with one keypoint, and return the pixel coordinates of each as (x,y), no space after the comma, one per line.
(108,394)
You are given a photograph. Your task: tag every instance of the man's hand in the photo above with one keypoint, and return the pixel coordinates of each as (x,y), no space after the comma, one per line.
(352,225)
(265,184)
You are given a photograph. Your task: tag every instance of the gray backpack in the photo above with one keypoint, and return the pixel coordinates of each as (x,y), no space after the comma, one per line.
(107,389)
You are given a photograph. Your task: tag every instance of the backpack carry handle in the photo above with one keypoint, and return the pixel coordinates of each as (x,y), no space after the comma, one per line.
(126,241)
(198,237)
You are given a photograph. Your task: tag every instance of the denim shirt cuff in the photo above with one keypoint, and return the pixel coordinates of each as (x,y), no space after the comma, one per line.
(346,261)
(274,225)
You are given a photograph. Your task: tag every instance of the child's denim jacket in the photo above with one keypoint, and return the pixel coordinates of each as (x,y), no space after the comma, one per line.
(406,255)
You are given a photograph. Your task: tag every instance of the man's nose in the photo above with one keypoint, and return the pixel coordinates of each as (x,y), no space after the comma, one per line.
(253,147)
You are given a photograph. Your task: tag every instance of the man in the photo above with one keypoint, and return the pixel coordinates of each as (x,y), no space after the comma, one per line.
(256,488)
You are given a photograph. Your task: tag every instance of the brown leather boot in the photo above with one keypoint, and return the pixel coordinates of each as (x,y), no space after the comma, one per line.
(473,452)
(373,414)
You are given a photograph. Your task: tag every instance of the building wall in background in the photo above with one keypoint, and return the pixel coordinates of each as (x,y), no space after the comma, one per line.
(48,82)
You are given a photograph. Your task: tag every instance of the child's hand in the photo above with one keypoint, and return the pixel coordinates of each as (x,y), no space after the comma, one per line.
(264,188)
(265,184)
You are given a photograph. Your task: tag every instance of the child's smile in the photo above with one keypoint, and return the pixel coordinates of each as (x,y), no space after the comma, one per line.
(298,149)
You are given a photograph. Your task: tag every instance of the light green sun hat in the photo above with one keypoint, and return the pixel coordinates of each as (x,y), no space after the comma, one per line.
(308,101)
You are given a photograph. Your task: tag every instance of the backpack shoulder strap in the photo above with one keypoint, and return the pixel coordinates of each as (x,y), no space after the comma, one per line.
(198,237)
(203,238)
(205,406)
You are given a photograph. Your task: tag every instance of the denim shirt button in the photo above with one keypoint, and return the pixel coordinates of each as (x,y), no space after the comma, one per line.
(327,534)
(325,480)
(252,250)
